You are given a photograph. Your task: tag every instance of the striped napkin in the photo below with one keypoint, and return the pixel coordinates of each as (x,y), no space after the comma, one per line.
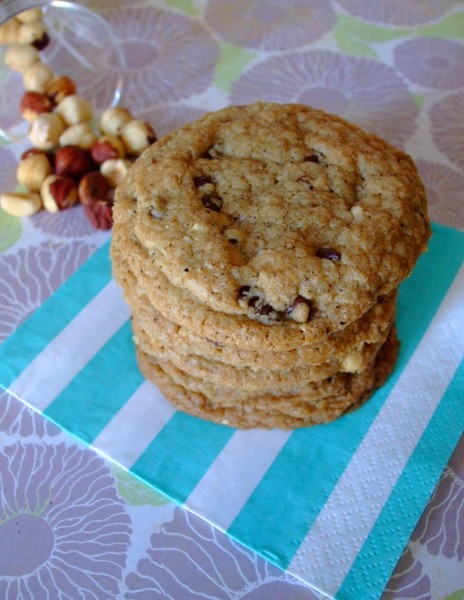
(333,504)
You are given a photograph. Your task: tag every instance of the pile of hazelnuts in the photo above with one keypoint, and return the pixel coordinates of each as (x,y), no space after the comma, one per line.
(71,159)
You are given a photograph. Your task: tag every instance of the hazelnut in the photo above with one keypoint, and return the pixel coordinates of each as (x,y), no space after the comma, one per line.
(33,104)
(106,147)
(33,170)
(357,212)
(74,109)
(9,32)
(137,135)
(58,192)
(45,131)
(21,58)
(35,151)
(114,170)
(100,214)
(93,187)
(72,161)
(112,120)
(33,33)
(80,135)
(60,87)
(36,77)
(20,205)
(300,310)
(352,362)
(27,16)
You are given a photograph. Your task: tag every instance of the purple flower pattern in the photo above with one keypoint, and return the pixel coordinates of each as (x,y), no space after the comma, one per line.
(166,118)
(181,559)
(365,91)
(18,419)
(440,527)
(62,526)
(31,275)
(456,464)
(444,193)
(8,166)
(447,127)
(408,581)
(431,62)
(10,90)
(398,12)
(270,25)
(68,223)
(169,56)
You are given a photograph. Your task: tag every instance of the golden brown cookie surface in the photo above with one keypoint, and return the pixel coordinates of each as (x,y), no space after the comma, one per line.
(278,212)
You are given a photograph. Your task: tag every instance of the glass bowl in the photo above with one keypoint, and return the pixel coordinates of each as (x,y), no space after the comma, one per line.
(82,46)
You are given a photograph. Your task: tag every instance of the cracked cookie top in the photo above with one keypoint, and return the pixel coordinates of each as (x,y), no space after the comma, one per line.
(280,213)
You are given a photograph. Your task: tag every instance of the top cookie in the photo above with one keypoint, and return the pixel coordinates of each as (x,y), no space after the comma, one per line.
(280,212)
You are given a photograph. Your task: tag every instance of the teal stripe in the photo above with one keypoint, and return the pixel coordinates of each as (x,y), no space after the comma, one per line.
(47,322)
(374,564)
(286,502)
(180,455)
(100,389)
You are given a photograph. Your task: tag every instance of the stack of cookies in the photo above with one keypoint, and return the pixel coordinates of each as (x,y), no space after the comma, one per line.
(260,250)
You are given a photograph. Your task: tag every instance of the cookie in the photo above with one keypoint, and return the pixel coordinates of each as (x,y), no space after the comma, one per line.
(177,306)
(245,378)
(260,249)
(227,396)
(269,411)
(372,328)
(280,213)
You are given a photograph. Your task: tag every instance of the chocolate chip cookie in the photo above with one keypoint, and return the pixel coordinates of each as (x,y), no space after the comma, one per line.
(260,249)
(287,411)
(280,213)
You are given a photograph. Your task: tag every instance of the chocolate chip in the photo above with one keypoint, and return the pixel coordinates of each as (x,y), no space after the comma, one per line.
(212,203)
(265,309)
(186,270)
(201,180)
(252,301)
(243,291)
(328,253)
(312,158)
(208,155)
(232,241)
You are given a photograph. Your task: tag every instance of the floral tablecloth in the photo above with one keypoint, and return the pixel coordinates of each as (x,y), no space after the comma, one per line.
(83,528)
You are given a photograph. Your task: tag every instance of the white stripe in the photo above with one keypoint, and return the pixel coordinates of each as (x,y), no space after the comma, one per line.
(52,370)
(346,519)
(133,428)
(231,479)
